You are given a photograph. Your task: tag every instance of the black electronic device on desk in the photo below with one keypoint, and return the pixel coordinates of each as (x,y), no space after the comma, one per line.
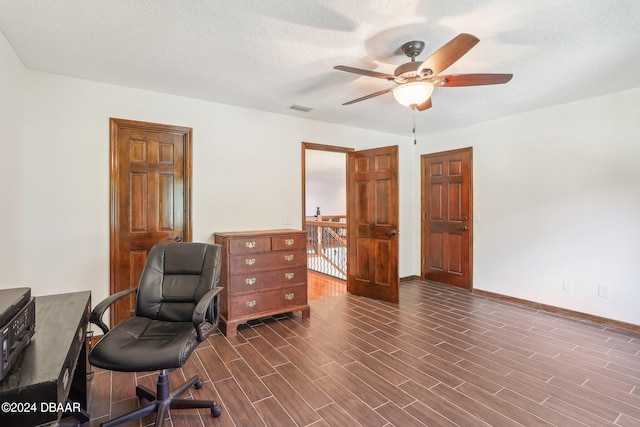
(17,325)
(50,377)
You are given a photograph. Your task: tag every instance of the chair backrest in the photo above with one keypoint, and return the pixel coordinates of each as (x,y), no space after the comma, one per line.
(175,277)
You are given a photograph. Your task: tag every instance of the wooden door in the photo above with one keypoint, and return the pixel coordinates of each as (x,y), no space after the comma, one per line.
(447,234)
(150,198)
(372,230)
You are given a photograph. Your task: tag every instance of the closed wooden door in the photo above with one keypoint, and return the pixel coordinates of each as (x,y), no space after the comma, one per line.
(150,199)
(447,251)
(372,232)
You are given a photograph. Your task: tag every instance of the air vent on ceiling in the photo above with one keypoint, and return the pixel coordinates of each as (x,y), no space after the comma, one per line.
(300,108)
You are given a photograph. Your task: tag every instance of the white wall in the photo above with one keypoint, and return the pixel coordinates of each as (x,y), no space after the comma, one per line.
(330,195)
(557,197)
(11,159)
(246,171)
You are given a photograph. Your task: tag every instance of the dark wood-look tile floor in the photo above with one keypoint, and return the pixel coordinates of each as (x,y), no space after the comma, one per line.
(441,357)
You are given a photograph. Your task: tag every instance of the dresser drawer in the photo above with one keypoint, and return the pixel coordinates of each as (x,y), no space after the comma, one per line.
(246,282)
(250,244)
(259,302)
(288,241)
(248,263)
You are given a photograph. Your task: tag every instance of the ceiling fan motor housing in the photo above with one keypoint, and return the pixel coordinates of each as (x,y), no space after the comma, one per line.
(412,49)
(408,70)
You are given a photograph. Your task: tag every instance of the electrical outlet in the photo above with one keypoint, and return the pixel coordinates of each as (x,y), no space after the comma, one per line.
(286,220)
(603,291)
(567,285)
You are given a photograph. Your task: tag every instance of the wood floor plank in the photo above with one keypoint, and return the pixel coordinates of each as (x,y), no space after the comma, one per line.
(376,382)
(124,406)
(398,416)
(442,406)
(295,405)
(447,377)
(269,352)
(350,403)
(122,382)
(490,400)
(381,368)
(223,347)
(299,359)
(254,359)
(100,404)
(463,374)
(213,365)
(236,404)
(193,366)
(273,413)
(483,412)
(248,380)
(335,416)
(407,370)
(355,385)
(548,415)
(303,385)
(576,413)
(209,392)
(428,416)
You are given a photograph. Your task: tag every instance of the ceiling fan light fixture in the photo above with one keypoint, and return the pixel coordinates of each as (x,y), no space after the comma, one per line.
(413,94)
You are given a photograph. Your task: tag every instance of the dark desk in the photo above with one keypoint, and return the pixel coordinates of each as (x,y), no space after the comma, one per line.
(52,371)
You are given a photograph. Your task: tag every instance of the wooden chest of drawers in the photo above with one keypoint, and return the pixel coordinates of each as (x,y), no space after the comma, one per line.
(263,273)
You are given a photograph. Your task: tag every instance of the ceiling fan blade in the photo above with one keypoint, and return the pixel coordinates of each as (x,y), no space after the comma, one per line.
(448,54)
(371,95)
(454,80)
(426,104)
(365,72)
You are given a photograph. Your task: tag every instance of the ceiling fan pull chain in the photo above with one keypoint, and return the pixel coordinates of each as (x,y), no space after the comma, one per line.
(414,125)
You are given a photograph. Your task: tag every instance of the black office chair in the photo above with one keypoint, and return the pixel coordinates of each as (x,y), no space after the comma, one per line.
(176,309)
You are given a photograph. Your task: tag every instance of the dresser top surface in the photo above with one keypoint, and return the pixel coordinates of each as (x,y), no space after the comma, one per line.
(258,232)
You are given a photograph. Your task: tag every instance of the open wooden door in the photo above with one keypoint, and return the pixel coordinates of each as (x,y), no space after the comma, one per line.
(372,231)
(447,236)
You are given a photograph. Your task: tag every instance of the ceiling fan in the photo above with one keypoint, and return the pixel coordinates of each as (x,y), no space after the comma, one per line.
(416,80)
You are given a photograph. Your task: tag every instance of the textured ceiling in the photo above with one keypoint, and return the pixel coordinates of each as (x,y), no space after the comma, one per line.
(270,54)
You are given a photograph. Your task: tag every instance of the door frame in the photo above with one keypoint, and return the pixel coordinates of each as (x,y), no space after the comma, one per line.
(115,191)
(424,213)
(330,148)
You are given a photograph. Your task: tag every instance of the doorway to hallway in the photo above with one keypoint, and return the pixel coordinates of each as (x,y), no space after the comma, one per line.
(325,217)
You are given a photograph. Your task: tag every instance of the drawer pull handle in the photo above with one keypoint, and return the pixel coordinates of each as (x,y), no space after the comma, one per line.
(288,242)
(289,297)
(251,303)
(250,261)
(289,276)
(288,257)
(250,281)
(250,245)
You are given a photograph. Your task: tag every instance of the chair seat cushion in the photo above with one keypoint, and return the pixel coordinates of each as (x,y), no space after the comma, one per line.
(142,344)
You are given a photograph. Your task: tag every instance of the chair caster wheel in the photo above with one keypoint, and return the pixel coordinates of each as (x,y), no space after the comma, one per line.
(199,384)
(216,410)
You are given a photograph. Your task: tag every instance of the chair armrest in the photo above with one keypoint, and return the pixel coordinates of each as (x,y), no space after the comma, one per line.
(98,310)
(200,312)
